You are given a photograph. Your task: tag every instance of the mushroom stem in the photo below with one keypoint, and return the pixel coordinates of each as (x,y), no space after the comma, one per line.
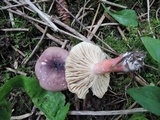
(109,65)
(129,61)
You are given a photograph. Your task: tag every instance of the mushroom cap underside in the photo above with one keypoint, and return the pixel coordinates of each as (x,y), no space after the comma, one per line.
(50,69)
(79,74)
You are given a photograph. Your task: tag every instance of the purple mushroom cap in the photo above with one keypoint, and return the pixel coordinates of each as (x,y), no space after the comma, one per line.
(50,69)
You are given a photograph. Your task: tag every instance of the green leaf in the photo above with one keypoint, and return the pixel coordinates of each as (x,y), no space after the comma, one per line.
(125,17)
(50,103)
(148,97)
(138,116)
(153,47)
(5,110)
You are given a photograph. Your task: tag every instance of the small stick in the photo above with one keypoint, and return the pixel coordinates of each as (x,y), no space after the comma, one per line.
(148,18)
(78,14)
(83,10)
(77,105)
(130,107)
(20,117)
(22,4)
(69,34)
(70,29)
(47,34)
(151,67)
(20,52)
(11,19)
(113,4)
(119,29)
(93,21)
(83,15)
(103,24)
(14,29)
(140,80)
(33,111)
(36,47)
(108,113)
(64,44)
(157,11)
(103,113)
(16,71)
(26,16)
(96,28)
(44,17)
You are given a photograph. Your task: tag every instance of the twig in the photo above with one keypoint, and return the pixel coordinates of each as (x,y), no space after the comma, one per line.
(83,15)
(96,28)
(26,16)
(79,12)
(64,44)
(104,113)
(157,13)
(140,80)
(42,15)
(20,117)
(18,5)
(36,47)
(11,19)
(21,2)
(20,52)
(152,3)
(69,34)
(83,11)
(16,71)
(47,34)
(113,4)
(93,21)
(151,67)
(33,110)
(148,18)
(130,107)
(14,29)
(109,51)
(103,24)
(70,29)
(108,113)
(119,29)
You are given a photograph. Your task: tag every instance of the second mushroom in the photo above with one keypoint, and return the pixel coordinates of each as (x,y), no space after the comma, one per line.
(88,67)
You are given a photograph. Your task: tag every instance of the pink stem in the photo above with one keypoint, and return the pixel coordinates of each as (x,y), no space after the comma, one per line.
(110,65)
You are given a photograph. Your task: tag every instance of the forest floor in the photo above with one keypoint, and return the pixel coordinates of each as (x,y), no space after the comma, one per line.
(24,35)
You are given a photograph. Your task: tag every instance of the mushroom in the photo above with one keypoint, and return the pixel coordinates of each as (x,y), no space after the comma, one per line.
(50,69)
(88,67)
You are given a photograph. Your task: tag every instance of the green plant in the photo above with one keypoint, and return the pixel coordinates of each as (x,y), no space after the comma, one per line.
(52,104)
(149,96)
(126,17)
